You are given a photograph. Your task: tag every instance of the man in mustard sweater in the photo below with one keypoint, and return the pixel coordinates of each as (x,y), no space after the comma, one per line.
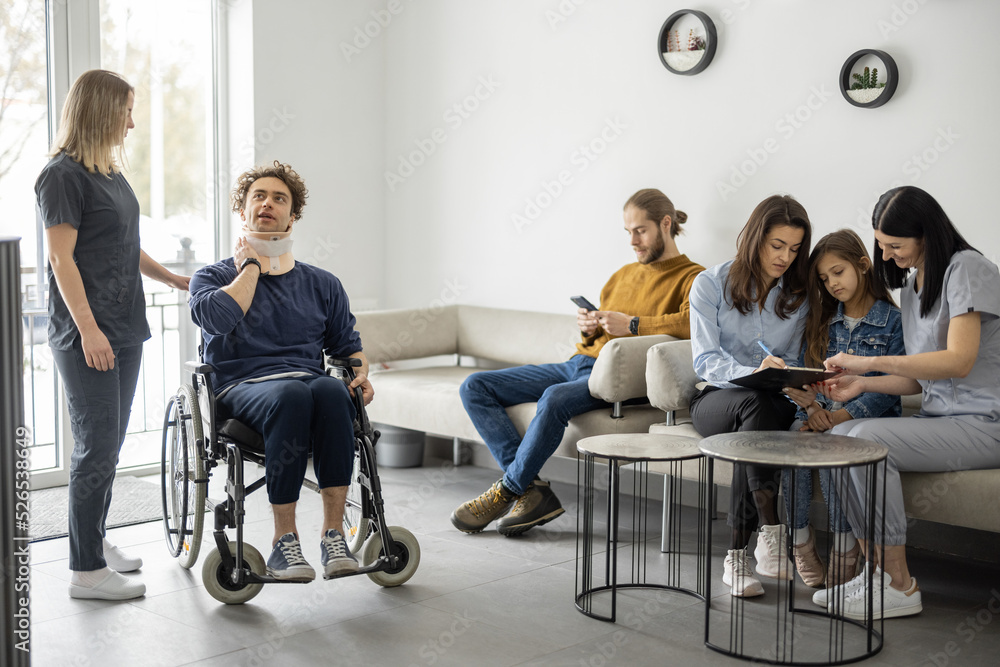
(647,297)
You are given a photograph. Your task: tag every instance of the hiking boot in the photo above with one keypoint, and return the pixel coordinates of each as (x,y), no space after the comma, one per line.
(286,561)
(538,505)
(843,566)
(737,573)
(771,553)
(807,562)
(335,556)
(476,514)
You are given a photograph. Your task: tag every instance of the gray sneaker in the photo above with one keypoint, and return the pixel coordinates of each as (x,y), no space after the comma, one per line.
(473,516)
(335,555)
(286,561)
(537,506)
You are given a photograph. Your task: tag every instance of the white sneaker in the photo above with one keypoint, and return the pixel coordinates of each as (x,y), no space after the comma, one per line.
(112,587)
(891,603)
(118,560)
(737,573)
(827,596)
(771,553)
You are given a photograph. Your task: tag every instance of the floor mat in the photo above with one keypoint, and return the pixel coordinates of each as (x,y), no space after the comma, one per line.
(133,500)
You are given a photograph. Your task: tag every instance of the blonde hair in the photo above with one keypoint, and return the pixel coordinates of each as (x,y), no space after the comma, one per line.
(92,127)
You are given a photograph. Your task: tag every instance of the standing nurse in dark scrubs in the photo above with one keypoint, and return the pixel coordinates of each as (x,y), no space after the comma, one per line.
(97,313)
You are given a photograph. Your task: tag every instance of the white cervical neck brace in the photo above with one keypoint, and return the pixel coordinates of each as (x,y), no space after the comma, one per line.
(274,248)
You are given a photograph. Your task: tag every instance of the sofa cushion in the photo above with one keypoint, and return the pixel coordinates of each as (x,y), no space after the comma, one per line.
(390,335)
(427,399)
(516,337)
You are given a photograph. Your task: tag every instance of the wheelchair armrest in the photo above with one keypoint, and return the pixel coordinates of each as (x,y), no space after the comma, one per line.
(198,367)
(350,362)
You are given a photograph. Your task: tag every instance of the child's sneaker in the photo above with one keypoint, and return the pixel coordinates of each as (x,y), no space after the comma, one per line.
(286,561)
(335,556)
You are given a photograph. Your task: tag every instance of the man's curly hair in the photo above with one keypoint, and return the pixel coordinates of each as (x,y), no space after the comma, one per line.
(284,173)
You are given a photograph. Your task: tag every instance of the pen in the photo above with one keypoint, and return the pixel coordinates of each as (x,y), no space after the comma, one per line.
(764,347)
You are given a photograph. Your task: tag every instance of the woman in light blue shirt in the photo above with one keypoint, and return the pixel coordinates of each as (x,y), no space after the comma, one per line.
(746,315)
(951,329)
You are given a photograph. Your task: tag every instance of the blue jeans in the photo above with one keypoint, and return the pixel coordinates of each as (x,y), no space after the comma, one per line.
(291,414)
(804,493)
(99,405)
(561,392)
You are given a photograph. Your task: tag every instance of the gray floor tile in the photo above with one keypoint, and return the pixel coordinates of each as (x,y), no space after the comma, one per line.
(475,599)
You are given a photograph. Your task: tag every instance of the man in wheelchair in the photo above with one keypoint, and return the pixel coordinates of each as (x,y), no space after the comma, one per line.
(267,322)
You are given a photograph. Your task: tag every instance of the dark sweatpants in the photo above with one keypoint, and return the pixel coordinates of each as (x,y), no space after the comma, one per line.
(724,410)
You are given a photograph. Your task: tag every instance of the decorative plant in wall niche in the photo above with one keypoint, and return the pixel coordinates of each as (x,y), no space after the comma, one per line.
(866,86)
(687,42)
(869,87)
(683,56)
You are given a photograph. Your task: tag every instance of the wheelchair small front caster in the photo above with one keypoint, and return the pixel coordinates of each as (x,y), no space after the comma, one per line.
(218,581)
(409,555)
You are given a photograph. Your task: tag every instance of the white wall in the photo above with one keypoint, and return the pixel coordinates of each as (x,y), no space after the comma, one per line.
(448,226)
(324,116)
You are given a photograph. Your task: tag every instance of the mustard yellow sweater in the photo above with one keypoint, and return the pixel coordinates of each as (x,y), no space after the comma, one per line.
(656,292)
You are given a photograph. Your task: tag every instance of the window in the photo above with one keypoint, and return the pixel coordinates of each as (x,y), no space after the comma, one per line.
(24,144)
(165,51)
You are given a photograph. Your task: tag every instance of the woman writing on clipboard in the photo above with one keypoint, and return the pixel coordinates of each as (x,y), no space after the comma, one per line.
(755,301)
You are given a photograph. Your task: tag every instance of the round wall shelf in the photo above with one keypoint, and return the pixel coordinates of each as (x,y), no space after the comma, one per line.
(869,89)
(680,53)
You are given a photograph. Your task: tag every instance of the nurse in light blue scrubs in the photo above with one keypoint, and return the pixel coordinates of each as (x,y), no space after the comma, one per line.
(950,304)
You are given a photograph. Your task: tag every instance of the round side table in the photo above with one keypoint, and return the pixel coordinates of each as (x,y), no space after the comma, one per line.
(774,628)
(671,564)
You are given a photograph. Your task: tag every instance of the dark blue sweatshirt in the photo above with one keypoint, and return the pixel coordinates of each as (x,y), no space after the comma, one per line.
(292,320)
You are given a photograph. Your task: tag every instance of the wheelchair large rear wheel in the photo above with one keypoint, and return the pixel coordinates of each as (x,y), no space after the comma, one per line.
(182,477)
(218,581)
(409,555)
(356,524)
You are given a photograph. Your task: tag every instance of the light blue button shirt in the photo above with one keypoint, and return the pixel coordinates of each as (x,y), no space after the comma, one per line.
(726,344)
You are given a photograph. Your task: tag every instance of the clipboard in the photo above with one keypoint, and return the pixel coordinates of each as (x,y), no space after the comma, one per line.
(774,379)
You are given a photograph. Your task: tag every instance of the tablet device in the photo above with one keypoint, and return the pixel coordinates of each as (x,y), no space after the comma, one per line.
(775,379)
(582,302)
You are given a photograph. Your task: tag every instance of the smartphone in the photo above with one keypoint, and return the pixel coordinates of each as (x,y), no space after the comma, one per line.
(582,302)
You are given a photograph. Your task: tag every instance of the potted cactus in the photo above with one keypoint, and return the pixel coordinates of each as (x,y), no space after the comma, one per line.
(866,86)
(683,55)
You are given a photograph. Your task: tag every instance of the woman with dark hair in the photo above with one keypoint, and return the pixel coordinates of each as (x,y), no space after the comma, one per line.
(97,313)
(950,308)
(749,314)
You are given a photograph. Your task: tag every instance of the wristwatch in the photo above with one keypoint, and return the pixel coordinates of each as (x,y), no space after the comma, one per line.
(252,260)
(633,326)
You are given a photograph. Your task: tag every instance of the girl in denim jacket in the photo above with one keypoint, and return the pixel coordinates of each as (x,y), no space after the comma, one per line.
(850,311)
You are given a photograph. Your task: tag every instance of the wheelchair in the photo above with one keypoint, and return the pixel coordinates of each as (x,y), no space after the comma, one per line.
(234,572)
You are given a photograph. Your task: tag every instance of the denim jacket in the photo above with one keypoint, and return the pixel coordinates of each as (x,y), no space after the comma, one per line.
(878,334)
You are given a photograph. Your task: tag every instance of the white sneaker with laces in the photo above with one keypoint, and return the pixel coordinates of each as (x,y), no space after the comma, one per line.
(737,573)
(828,596)
(771,553)
(889,603)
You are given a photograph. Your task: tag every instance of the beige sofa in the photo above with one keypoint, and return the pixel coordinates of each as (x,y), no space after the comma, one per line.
(420,357)
(968,498)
